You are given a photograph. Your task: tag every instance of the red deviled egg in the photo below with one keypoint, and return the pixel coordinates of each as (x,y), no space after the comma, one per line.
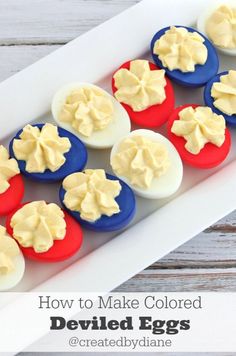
(199,135)
(11,183)
(44,232)
(144,91)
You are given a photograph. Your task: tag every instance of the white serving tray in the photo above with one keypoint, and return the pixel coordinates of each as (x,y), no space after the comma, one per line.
(107,260)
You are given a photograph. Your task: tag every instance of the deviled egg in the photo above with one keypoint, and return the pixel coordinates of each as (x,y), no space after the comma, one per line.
(91,114)
(220,95)
(47,153)
(12,262)
(217,22)
(148,163)
(144,91)
(187,56)
(97,200)
(44,232)
(11,183)
(199,135)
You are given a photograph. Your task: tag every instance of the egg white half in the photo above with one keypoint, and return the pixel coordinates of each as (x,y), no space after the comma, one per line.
(10,280)
(165,185)
(118,127)
(204,16)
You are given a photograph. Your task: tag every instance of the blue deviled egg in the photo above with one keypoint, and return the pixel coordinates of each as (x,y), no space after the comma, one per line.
(97,200)
(47,153)
(220,95)
(187,56)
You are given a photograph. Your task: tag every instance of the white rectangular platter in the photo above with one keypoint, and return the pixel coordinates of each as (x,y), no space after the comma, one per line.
(107,260)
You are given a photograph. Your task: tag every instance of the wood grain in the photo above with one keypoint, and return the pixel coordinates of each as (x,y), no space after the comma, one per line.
(53,21)
(30,30)
(213,248)
(205,263)
(182,280)
(16,58)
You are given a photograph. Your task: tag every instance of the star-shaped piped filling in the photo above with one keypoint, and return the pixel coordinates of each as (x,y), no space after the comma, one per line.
(181,49)
(198,127)
(221,27)
(140,160)
(87,109)
(140,87)
(224,93)
(41,149)
(38,224)
(91,194)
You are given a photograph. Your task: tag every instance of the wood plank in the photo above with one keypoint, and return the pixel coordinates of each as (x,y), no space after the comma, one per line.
(209,249)
(205,263)
(53,21)
(16,58)
(182,280)
(213,248)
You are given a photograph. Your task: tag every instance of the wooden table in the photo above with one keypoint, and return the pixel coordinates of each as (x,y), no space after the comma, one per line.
(30,29)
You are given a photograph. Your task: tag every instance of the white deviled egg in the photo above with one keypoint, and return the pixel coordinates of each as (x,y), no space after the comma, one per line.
(90,113)
(149,163)
(217,22)
(12,262)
